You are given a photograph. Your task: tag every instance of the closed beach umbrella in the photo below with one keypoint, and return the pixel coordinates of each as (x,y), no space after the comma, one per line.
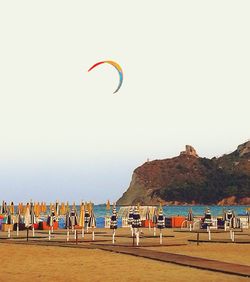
(108,206)
(160,222)
(32,217)
(208,217)
(136,224)
(92,223)
(57,208)
(148,217)
(130,216)
(67,207)
(67,223)
(82,218)
(86,217)
(73,217)
(113,222)
(190,218)
(27,218)
(12,208)
(155,220)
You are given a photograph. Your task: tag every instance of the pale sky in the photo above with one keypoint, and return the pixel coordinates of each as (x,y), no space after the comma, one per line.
(65,135)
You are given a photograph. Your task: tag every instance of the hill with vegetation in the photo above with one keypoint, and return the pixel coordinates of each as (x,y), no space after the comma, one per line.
(190,179)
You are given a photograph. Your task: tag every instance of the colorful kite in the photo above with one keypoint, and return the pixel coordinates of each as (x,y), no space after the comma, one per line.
(117,66)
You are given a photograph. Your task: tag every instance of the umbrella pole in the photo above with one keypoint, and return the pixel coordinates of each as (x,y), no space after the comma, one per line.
(209,233)
(93,234)
(154,231)
(67,234)
(33,230)
(27,234)
(137,237)
(133,237)
(17,230)
(113,241)
(160,237)
(149,225)
(49,233)
(52,228)
(132,231)
(75,234)
(83,232)
(8,232)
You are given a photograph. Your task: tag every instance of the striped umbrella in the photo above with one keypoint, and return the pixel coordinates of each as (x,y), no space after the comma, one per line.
(113,222)
(130,216)
(136,224)
(160,222)
(73,218)
(86,216)
(208,217)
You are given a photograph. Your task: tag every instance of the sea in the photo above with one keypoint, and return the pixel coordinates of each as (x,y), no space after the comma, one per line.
(100,210)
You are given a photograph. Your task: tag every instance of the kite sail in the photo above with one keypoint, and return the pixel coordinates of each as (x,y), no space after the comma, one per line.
(118,68)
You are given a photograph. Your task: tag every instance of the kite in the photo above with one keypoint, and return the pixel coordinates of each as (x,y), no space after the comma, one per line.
(118,68)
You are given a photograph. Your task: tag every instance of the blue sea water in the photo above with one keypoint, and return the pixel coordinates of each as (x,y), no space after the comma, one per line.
(100,210)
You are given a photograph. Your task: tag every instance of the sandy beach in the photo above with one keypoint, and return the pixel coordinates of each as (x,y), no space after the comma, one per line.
(42,263)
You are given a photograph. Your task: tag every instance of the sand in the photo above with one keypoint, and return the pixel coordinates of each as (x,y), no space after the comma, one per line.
(20,262)
(42,263)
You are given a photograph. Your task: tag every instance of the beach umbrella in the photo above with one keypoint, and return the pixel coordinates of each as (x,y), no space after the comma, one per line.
(4,208)
(208,217)
(67,223)
(12,208)
(62,208)
(73,219)
(148,217)
(87,216)
(160,222)
(82,218)
(27,217)
(190,218)
(67,207)
(155,220)
(136,224)
(32,217)
(74,206)
(57,208)
(92,223)
(113,222)
(108,206)
(18,221)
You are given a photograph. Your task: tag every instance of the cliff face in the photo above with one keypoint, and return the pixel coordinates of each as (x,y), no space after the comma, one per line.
(189,179)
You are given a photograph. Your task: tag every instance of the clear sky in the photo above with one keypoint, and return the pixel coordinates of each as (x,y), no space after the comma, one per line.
(65,135)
